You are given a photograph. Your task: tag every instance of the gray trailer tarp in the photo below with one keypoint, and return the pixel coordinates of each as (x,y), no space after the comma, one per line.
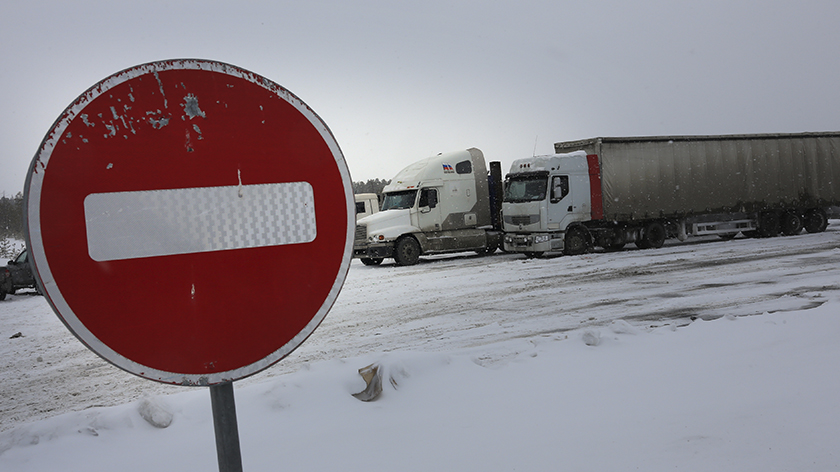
(650,177)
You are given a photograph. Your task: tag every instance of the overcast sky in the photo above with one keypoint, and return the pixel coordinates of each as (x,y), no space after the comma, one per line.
(397,81)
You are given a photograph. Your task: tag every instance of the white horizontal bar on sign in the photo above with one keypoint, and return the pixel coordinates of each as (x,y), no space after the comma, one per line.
(131,225)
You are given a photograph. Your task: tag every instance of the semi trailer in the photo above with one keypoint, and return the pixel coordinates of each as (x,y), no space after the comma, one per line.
(442,204)
(608,192)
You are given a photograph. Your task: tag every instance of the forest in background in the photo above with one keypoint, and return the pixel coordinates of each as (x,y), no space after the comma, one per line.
(11,223)
(370,186)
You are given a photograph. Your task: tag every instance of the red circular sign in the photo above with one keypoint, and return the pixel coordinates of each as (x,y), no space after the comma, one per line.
(190,222)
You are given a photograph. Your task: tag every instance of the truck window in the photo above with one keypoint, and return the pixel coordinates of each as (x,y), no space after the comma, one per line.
(399,200)
(360,207)
(428,198)
(526,188)
(463,167)
(559,187)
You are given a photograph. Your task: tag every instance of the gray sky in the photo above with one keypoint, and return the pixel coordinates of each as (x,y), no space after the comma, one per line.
(397,81)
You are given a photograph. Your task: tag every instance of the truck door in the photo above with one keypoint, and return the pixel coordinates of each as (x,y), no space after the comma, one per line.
(429,210)
(561,203)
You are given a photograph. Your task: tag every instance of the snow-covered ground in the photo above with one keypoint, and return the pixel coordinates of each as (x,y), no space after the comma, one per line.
(634,360)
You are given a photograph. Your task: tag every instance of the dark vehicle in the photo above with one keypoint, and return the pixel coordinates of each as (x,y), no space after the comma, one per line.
(5,282)
(16,275)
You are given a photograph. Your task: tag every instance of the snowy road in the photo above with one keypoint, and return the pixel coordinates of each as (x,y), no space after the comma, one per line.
(451,303)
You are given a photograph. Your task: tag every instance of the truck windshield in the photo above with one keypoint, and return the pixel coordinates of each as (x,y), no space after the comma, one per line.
(399,200)
(526,188)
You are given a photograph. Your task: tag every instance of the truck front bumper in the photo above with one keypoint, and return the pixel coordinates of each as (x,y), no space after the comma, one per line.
(374,251)
(534,242)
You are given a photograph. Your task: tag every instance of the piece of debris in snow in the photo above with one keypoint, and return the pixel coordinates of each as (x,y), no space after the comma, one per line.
(16,335)
(622,327)
(373,378)
(155,412)
(592,337)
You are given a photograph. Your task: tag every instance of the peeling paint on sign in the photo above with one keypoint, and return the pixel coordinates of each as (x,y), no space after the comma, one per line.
(191,107)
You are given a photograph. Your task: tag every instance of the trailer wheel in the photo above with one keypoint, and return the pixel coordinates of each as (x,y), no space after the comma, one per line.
(407,251)
(791,223)
(768,224)
(653,236)
(816,220)
(371,260)
(577,242)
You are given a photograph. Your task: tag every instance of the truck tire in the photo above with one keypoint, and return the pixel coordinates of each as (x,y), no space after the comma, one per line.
(371,260)
(791,223)
(2,295)
(768,224)
(816,220)
(407,251)
(577,242)
(653,236)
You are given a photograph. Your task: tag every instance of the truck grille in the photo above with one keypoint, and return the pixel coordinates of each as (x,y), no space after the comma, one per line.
(522,219)
(361,233)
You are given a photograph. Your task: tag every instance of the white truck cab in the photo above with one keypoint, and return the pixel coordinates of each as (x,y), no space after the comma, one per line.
(437,205)
(544,196)
(366,205)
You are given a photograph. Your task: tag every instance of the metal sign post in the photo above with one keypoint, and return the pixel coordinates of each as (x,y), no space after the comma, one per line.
(224,424)
(157,191)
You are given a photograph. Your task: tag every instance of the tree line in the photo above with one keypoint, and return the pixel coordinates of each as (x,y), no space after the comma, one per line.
(370,186)
(11,216)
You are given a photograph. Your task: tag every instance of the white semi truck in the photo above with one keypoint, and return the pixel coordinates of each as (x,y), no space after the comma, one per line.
(608,192)
(441,204)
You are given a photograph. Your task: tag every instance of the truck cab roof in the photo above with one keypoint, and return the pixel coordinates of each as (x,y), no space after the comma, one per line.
(441,167)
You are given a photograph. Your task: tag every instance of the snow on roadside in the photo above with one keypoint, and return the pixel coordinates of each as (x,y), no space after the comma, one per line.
(745,393)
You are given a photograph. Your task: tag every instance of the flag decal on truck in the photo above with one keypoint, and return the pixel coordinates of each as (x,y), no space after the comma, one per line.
(447,169)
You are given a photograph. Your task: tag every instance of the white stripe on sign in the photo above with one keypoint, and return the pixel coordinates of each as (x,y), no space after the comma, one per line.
(130,225)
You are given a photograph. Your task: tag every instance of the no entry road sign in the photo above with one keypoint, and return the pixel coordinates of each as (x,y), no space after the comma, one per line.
(190,221)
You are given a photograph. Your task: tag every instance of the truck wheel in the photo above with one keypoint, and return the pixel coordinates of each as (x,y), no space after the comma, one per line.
(768,224)
(653,236)
(2,295)
(816,220)
(577,242)
(407,251)
(791,223)
(371,260)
